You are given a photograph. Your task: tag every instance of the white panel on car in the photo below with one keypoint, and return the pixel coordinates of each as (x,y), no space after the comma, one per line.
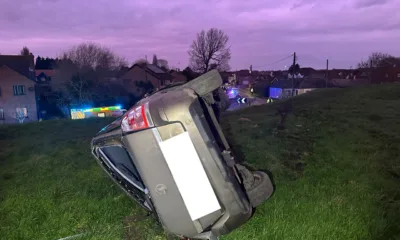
(190,176)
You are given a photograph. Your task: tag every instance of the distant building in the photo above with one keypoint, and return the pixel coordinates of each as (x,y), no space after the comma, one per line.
(178,76)
(18,101)
(44,75)
(284,88)
(145,73)
(385,74)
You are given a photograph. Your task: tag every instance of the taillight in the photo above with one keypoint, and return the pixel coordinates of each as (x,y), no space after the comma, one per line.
(137,118)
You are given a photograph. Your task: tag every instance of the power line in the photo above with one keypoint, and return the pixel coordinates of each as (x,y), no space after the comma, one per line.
(272,63)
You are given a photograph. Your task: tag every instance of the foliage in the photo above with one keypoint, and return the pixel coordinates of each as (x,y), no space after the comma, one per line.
(84,71)
(45,63)
(144,87)
(25,51)
(210,51)
(163,64)
(294,69)
(141,61)
(91,55)
(378,59)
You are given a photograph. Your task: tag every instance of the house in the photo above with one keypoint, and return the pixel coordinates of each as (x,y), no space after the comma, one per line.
(178,76)
(245,81)
(44,75)
(18,101)
(287,87)
(43,82)
(313,73)
(243,73)
(349,82)
(278,86)
(385,74)
(227,77)
(144,74)
(190,74)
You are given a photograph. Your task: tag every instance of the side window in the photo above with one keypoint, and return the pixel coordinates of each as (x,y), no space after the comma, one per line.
(19,90)
(122,163)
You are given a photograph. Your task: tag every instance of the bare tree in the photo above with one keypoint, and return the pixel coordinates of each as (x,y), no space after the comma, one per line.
(84,68)
(209,51)
(91,55)
(378,59)
(25,51)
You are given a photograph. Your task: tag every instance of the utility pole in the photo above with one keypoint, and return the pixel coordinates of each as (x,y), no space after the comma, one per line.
(370,71)
(293,70)
(326,74)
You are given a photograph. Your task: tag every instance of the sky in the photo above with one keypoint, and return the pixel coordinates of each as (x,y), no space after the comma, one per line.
(261,32)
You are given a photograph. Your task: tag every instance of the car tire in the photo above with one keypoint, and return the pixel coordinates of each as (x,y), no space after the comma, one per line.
(257,184)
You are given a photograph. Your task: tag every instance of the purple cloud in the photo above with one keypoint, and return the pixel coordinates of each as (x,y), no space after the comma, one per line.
(369,3)
(261,32)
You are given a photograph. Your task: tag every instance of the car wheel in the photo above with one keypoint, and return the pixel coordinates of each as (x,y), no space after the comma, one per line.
(257,184)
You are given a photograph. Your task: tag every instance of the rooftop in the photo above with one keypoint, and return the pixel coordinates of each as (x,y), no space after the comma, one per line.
(24,65)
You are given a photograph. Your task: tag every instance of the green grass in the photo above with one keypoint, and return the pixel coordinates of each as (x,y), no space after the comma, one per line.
(336,167)
(336,164)
(51,187)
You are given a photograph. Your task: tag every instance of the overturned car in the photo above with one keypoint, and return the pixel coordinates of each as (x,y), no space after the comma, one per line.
(170,155)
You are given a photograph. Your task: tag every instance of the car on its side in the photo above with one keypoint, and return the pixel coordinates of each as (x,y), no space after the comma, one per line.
(169,154)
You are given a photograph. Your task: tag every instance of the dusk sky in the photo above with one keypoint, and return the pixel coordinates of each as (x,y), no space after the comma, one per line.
(260,31)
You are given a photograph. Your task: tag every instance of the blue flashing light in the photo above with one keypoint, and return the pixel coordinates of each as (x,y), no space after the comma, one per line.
(118,106)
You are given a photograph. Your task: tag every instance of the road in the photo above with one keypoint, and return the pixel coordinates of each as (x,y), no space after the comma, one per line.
(251,101)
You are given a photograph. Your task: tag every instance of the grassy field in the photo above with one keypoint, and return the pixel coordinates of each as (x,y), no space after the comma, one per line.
(51,187)
(335,162)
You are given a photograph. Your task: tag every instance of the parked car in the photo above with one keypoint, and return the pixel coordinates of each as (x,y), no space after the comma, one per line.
(169,154)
